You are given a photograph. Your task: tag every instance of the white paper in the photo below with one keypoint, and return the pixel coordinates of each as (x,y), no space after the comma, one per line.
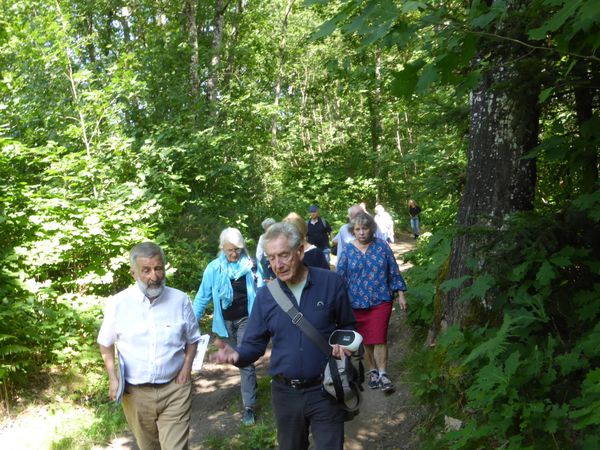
(200,353)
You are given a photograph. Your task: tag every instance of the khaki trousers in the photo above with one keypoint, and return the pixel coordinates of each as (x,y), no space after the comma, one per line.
(159,416)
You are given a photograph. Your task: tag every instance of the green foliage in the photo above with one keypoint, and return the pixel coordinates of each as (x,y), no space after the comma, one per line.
(526,377)
(428,261)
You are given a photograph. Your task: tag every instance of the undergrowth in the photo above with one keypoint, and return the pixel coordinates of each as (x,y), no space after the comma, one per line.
(526,377)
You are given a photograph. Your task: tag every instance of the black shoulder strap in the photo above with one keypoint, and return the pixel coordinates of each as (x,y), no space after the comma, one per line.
(297,317)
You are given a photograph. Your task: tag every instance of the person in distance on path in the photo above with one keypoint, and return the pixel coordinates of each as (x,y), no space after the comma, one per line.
(414,210)
(385,223)
(296,362)
(156,333)
(318,231)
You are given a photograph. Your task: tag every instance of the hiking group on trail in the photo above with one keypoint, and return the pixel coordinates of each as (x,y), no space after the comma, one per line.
(154,328)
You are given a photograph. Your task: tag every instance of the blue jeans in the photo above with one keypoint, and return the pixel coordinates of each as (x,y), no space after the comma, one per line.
(414,224)
(236,329)
(327,253)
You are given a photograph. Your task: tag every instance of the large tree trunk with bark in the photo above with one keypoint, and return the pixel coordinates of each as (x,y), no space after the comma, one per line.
(504,121)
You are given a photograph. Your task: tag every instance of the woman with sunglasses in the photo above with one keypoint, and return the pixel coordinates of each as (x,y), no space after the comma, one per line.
(228,282)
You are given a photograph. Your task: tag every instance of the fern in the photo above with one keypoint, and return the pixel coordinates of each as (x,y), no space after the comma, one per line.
(495,345)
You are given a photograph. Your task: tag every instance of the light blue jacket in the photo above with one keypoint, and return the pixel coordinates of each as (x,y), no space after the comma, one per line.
(207,292)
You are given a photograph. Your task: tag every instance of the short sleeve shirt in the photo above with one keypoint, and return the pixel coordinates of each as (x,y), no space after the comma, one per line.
(150,337)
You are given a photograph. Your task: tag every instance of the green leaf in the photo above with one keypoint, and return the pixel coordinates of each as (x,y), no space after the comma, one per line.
(324,30)
(570,362)
(496,344)
(588,405)
(545,274)
(543,96)
(405,81)
(454,283)
(556,21)
(413,6)
(429,75)
(485,19)
(479,288)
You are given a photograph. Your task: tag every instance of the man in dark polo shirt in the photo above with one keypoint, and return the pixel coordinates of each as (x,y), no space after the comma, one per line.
(318,231)
(296,362)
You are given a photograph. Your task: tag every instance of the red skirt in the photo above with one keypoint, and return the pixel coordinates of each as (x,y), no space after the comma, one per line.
(372,323)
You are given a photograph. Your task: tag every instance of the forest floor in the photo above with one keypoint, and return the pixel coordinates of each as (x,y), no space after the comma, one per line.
(385,422)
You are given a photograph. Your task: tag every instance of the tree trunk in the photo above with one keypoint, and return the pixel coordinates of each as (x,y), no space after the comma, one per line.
(282,45)
(503,127)
(584,107)
(374,102)
(233,39)
(218,24)
(81,119)
(190,13)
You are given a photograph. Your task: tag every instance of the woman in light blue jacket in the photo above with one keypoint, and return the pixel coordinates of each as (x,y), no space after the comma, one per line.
(229,283)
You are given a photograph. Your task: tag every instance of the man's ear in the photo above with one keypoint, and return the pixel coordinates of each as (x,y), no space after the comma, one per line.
(301,252)
(132,272)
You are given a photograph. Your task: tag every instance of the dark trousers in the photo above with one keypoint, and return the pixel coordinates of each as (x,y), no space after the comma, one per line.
(300,411)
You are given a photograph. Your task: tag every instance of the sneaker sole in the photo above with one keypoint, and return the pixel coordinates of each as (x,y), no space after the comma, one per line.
(388,390)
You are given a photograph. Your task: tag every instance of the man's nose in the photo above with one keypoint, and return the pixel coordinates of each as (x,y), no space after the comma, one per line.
(154,275)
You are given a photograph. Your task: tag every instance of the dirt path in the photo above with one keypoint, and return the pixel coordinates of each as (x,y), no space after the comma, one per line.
(385,422)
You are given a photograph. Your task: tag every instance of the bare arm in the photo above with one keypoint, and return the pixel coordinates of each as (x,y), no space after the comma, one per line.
(185,374)
(401,300)
(108,356)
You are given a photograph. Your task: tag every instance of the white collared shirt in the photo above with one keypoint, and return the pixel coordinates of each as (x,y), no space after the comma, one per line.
(151,337)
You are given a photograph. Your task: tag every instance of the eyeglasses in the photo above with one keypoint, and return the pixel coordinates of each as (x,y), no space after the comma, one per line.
(232,251)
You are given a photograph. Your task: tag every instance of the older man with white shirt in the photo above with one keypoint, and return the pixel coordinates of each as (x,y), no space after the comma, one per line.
(156,333)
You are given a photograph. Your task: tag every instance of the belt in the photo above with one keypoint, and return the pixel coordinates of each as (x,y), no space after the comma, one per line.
(298,383)
(150,385)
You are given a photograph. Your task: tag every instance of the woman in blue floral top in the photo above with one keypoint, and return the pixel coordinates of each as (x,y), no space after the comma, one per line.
(373,279)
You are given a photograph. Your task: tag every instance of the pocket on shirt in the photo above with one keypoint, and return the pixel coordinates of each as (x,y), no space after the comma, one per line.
(172,333)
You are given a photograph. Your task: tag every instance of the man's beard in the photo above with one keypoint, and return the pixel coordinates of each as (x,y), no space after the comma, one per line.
(151,290)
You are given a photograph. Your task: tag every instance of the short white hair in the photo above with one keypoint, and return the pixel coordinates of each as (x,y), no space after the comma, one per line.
(233,236)
(267,223)
(354,210)
(286,229)
(379,209)
(145,250)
